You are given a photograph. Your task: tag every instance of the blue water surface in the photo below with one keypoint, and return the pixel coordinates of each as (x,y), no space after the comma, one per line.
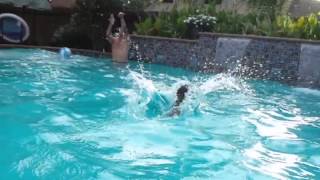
(87,118)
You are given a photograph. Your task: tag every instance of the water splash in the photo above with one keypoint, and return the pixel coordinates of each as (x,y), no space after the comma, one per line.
(229,51)
(148,94)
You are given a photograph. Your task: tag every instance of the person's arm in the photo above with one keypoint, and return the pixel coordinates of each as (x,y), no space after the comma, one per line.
(123,29)
(109,29)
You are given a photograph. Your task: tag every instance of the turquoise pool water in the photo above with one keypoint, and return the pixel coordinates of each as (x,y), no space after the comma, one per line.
(86,118)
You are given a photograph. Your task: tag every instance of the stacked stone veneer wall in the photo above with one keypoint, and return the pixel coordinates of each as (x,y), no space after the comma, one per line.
(292,61)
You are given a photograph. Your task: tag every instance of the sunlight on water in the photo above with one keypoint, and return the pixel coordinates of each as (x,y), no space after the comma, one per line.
(89,118)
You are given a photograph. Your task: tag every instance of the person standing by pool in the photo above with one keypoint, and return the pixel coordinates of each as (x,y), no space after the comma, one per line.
(120,41)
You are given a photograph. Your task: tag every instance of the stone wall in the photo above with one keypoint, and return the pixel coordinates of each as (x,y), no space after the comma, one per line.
(291,61)
(173,52)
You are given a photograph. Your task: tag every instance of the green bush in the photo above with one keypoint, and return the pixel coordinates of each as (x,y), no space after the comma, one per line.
(145,27)
(270,8)
(166,25)
(174,24)
(263,21)
(201,22)
(169,24)
(307,27)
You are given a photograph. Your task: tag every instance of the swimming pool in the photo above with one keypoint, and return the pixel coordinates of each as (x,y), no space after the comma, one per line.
(86,118)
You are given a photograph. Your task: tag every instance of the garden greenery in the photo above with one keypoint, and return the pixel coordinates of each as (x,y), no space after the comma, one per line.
(307,27)
(178,24)
(89,20)
(166,24)
(201,22)
(183,23)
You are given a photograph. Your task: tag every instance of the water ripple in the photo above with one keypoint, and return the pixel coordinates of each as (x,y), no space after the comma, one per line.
(88,118)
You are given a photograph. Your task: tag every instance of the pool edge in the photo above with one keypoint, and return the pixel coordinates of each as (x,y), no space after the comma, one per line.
(84,52)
